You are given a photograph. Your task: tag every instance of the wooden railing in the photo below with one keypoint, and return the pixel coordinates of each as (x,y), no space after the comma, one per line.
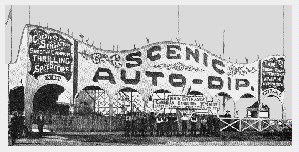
(256,124)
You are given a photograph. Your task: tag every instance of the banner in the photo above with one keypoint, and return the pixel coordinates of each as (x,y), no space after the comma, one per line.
(272,75)
(175,65)
(197,104)
(50,54)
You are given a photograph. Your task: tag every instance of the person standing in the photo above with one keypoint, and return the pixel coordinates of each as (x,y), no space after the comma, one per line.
(40,123)
(203,126)
(179,122)
(142,124)
(227,120)
(151,123)
(210,126)
(184,124)
(216,126)
(134,124)
(174,125)
(164,124)
(128,124)
(159,121)
(13,128)
(170,124)
(193,124)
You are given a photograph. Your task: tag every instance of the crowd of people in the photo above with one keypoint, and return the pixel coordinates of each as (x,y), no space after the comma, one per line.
(171,124)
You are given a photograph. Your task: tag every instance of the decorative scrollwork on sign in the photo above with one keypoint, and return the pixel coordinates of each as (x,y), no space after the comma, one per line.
(233,70)
(98,58)
(85,55)
(178,67)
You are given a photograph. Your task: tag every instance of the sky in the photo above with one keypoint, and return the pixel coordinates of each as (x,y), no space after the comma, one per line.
(250,31)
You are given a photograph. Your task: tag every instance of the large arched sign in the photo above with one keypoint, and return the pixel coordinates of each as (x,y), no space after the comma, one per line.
(48,56)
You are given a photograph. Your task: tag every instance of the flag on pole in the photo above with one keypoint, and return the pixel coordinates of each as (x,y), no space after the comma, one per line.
(9,17)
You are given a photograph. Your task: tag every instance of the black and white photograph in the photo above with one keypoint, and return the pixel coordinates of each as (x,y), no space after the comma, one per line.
(149,75)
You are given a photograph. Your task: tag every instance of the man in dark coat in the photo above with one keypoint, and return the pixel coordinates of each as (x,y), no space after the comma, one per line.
(164,124)
(193,124)
(40,123)
(134,124)
(151,123)
(142,126)
(210,125)
(159,121)
(171,125)
(216,123)
(184,124)
(14,126)
(174,125)
(128,124)
(203,126)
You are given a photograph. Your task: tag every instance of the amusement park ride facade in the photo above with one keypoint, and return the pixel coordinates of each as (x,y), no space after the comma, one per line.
(158,77)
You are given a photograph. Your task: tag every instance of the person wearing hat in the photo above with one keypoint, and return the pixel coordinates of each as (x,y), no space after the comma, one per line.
(159,121)
(203,126)
(184,124)
(210,125)
(164,124)
(227,115)
(172,124)
(142,127)
(193,124)
(134,126)
(40,123)
(128,123)
(151,123)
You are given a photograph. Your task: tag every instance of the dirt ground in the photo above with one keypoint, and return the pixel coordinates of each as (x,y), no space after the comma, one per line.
(118,139)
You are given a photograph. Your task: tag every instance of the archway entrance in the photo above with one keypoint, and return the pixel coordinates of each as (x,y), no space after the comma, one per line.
(129,100)
(45,100)
(92,99)
(275,107)
(246,107)
(226,103)
(16,99)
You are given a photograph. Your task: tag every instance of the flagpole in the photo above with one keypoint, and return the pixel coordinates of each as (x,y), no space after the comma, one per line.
(179,21)
(11,35)
(223,43)
(10,58)
(283,30)
(29,14)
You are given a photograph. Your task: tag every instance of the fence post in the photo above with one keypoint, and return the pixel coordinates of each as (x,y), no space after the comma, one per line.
(260,124)
(240,125)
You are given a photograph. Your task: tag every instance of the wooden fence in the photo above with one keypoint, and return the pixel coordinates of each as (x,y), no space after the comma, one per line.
(254,124)
(96,123)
